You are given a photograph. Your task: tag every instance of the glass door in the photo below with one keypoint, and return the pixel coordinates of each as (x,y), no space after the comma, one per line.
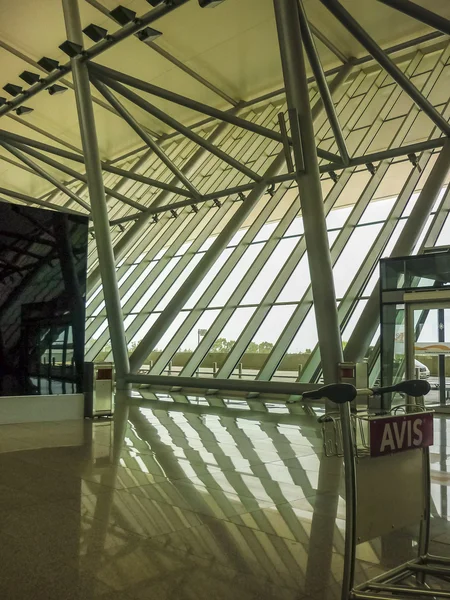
(428,350)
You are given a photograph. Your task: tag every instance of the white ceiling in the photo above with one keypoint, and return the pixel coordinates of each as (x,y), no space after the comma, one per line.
(234,46)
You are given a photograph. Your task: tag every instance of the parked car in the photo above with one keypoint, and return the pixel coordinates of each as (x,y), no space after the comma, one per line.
(424,370)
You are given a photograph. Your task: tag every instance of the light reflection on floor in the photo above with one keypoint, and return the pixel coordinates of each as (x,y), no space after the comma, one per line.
(180,500)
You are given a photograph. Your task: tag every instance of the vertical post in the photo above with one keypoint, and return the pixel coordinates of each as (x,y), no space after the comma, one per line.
(441,338)
(97,195)
(308,180)
(322,284)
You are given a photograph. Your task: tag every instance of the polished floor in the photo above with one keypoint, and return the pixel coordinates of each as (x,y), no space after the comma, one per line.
(185,503)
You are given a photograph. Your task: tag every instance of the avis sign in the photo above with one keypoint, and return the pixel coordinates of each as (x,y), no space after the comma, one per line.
(399,433)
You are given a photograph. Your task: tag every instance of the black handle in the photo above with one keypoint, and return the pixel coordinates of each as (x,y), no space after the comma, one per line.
(336,392)
(413,387)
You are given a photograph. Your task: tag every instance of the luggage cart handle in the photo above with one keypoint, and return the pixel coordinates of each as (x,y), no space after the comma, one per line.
(412,387)
(340,393)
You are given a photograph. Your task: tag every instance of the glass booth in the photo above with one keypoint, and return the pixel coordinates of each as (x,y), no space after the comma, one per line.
(415,324)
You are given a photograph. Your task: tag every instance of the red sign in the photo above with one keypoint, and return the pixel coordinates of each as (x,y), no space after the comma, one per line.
(399,433)
(103,374)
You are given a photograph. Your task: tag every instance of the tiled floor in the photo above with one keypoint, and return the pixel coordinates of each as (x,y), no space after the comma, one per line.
(182,505)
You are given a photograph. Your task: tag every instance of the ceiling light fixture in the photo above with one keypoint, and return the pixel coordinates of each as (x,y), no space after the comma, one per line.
(155,2)
(209,3)
(122,15)
(95,32)
(3,101)
(30,77)
(56,89)
(71,49)
(12,89)
(148,34)
(48,64)
(23,110)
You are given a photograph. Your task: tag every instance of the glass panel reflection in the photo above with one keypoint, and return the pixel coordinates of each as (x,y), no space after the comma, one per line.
(43,257)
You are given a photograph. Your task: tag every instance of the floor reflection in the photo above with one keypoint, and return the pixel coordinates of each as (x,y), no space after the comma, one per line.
(178,500)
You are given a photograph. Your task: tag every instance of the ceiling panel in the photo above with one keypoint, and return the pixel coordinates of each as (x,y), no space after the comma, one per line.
(234,46)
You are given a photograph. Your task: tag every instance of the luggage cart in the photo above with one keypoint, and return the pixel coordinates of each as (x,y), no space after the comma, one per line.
(387,485)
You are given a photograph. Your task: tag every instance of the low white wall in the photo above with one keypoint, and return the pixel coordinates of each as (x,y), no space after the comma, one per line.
(33,409)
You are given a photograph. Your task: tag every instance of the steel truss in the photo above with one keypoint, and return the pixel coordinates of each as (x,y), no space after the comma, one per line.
(384,113)
(186,216)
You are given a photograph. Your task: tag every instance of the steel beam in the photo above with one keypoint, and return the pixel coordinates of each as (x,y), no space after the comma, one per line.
(178,272)
(345,18)
(159,210)
(128,118)
(172,59)
(216,284)
(30,200)
(18,154)
(439,219)
(355,289)
(329,72)
(97,195)
(290,331)
(322,84)
(368,322)
(72,173)
(44,133)
(113,39)
(215,113)
(37,66)
(329,44)
(144,277)
(347,304)
(168,315)
(171,122)
(260,387)
(248,279)
(221,276)
(245,283)
(291,49)
(138,228)
(354,162)
(420,13)
(14,137)
(24,168)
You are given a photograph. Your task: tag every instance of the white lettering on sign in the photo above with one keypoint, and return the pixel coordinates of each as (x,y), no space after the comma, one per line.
(387,439)
(396,434)
(418,435)
(399,437)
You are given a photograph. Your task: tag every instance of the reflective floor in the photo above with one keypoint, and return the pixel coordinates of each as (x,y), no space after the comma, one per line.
(184,503)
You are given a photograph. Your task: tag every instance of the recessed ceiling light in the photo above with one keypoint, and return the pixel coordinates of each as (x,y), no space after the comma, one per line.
(122,15)
(12,89)
(56,89)
(71,49)
(148,34)
(49,64)
(30,77)
(95,32)
(209,3)
(24,110)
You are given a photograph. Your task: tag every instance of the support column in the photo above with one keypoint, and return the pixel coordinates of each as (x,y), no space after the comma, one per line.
(369,320)
(308,180)
(97,195)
